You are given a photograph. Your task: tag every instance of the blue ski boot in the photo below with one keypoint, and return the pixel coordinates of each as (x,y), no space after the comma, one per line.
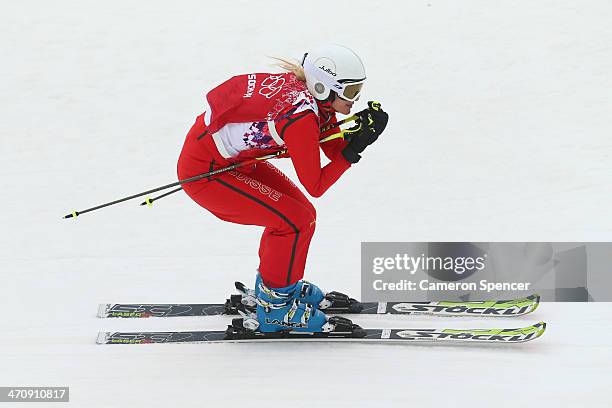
(306,292)
(280,310)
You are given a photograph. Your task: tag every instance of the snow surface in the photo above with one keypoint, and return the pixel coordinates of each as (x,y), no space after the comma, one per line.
(500,131)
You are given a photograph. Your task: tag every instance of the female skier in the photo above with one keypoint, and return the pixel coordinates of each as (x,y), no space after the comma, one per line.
(257,114)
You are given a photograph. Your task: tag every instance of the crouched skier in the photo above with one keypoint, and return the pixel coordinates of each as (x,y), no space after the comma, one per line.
(261,113)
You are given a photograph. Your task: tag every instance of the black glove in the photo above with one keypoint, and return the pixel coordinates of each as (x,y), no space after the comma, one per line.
(370,124)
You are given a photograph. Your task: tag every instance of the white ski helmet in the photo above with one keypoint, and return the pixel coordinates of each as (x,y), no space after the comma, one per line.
(334,68)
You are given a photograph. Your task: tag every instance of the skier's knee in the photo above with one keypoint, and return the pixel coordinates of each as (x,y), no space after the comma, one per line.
(307,220)
(308,223)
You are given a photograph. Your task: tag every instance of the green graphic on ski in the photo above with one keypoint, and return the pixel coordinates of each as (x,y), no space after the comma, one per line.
(232,334)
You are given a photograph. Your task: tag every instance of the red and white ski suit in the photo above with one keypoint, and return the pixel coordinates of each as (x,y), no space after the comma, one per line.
(250,116)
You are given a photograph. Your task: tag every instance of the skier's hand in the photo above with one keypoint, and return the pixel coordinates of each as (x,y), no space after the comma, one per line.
(369,126)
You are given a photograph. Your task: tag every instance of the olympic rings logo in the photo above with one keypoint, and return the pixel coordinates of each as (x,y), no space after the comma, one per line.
(271,85)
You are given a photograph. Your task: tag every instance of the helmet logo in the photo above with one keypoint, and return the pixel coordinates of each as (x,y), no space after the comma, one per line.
(329,71)
(327,65)
(319,87)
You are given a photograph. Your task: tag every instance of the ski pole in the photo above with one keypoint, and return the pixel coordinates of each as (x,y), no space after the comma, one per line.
(326,129)
(342,122)
(75,214)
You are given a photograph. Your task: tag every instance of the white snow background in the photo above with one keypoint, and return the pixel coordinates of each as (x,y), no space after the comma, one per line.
(500,130)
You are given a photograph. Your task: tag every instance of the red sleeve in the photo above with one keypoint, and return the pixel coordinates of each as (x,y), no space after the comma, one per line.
(301,136)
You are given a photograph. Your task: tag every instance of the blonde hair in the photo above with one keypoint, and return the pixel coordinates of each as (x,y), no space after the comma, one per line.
(291,66)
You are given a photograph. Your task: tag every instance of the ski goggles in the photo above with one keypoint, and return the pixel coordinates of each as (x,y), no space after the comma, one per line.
(351,91)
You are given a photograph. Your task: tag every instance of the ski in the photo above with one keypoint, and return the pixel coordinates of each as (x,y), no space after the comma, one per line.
(514,307)
(235,334)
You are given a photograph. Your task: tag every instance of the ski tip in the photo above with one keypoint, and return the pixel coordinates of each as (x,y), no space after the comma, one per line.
(534,302)
(103,337)
(542,328)
(533,332)
(103,309)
